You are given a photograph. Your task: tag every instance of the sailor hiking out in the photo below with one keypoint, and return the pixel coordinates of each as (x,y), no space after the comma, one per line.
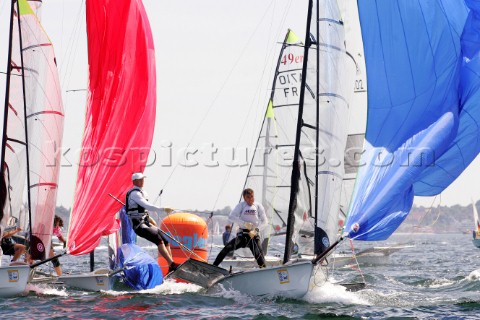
(251,217)
(137,206)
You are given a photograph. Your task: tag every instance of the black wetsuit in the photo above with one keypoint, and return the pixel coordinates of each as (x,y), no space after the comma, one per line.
(243,240)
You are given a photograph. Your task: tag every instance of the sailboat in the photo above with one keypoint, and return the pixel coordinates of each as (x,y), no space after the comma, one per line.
(32,136)
(423,108)
(268,174)
(119,125)
(307,115)
(476,231)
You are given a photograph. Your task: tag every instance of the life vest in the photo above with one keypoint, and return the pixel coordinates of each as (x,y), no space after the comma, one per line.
(137,211)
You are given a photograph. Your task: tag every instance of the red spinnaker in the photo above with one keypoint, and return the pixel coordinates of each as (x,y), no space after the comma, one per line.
(120,116)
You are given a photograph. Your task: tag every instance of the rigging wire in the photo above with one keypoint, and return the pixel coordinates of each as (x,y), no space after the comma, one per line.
(257,94)
(67,67)
(217,95)
(430,209)
(253,137)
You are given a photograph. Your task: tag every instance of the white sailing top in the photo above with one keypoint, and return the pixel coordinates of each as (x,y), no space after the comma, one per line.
(254,214)
(137,199)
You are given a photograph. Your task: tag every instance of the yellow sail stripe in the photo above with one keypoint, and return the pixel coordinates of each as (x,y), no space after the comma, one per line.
(270,110)
(24,7)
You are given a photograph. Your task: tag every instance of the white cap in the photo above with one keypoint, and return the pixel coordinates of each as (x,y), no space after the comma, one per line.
(138,176)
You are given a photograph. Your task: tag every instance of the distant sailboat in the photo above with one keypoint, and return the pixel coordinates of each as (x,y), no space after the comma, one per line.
(119,125)
(476,230)
(32,136)
(216,229)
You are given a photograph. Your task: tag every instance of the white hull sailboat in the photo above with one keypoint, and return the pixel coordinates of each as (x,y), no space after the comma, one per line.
(307,112)
(372,256)
(289,281)
(98,280)
(476,231)
(13,279)
(32,134)
(133,68)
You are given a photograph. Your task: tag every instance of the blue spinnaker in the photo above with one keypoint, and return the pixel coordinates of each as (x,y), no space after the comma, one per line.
(140,270)
(126,230)
(423,107)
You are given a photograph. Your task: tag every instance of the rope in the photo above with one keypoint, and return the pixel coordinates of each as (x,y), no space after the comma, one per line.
(430,209)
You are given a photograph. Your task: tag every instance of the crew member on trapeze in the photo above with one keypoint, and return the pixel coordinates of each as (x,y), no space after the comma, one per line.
(144,226)
(251,217)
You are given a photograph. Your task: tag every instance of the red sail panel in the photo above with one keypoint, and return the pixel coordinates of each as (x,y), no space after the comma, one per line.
(120,116)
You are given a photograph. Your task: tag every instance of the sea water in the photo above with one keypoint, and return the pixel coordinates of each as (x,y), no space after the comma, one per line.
(438,277)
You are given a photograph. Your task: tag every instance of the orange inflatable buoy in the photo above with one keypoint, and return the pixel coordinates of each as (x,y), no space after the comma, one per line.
(191,231)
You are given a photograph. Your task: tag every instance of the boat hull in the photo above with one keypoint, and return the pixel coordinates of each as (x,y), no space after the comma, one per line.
(249,262)
(476,242)
(98,280)
(13,280)
(291,281)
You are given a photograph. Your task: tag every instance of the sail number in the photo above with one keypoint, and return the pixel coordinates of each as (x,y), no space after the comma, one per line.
(291,58)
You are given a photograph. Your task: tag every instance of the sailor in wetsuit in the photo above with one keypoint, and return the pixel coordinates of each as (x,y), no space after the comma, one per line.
(144,226)
(250,216)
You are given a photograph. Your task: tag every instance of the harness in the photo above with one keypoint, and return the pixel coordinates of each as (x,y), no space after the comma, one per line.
(137,214)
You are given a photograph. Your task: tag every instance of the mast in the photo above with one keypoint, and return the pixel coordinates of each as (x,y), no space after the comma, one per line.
(25,119)
(317,125)
(3,186)
(295,166)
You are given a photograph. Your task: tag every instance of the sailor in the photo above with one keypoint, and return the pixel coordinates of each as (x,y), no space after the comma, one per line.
(57,231)
(251,217)
(144,226)
(10,247)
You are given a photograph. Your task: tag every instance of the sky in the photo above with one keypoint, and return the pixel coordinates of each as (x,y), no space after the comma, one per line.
(215,63)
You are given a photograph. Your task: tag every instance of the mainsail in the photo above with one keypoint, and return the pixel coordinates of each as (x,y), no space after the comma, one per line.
(423,119)
(33,128)
(476,219)
(270,170)
(321,134)
(358,102)
(120,116)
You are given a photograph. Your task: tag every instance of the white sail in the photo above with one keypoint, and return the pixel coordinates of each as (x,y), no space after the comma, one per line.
(323,130)
(476,220)
(358,102)
(270,172)
(308,132)
(340,75)
(35,118)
